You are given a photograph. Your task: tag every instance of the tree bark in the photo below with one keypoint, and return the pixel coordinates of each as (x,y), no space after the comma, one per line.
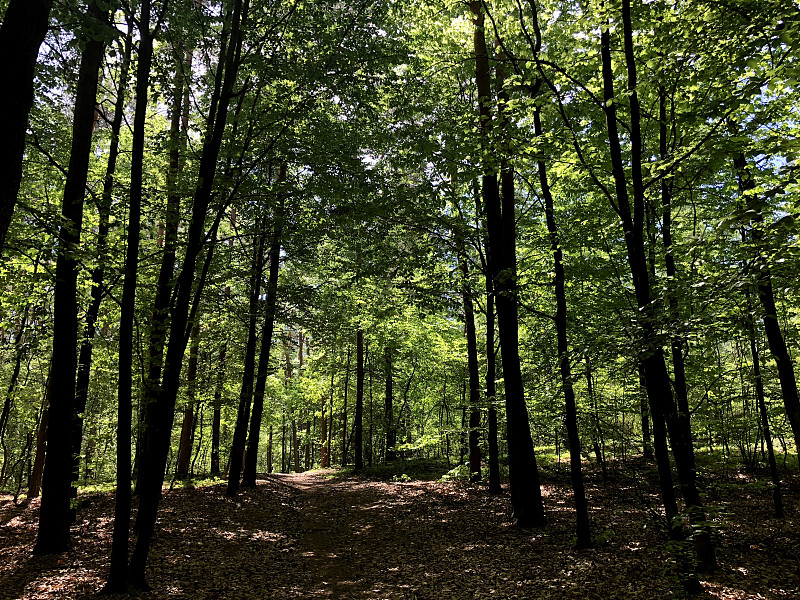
(766,297)
(161,412)
(344,409)
(35,480)
(217,418)
(119,579)
(54,519)
(526,495)
(777,496)
(21,33)
(391,430)
(583,529)
(491,361)
(662,403)
(248,374)
(98,273)
(472,368)
(251,459)
(359,425)
(187,427)
(159,319)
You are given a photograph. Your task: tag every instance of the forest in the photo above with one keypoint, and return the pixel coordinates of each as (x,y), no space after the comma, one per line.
(481,298)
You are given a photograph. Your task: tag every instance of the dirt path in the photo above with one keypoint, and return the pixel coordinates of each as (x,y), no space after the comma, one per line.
(343,526)
(394,541)
(319,536)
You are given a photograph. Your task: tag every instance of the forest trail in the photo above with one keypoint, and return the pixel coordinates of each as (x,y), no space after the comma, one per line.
(349,539)
(322,535)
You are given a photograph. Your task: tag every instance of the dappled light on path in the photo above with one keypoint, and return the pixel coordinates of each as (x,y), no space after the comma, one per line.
(321,535)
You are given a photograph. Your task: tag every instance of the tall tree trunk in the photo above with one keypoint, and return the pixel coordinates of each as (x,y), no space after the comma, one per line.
(491,395)
(119,577)
(371,421)
(491,361)
(344,409)
(662,403)
(251,459)
(766,296)
(644,411)
(330,417)
(159,319)
(295,449)
(35,480)
(98,273)
(161,412)
(217,418)
(19,353)
(54,519)
(269,450)
(676,343)
(526,495)
(323,453)
(187,427)
(391,428)
(21,33)
(359,425)
(248,374)
(777,497)
(583,530)
(472,367)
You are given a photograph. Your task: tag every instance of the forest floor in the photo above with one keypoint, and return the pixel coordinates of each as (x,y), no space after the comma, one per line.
(330,535)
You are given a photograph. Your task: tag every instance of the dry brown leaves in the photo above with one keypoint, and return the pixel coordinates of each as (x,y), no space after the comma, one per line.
(307,536)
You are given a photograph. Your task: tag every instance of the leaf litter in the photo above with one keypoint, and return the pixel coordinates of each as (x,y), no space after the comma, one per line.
(315,536)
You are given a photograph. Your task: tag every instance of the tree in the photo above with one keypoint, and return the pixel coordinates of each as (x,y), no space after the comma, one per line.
(53,534)
(526,496)
(21,33)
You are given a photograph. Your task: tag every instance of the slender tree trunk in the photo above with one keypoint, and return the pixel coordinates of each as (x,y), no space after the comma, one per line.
(676,343)
(217,418)
(526,495)
(359,436)
(472,367)
(371,420)
(391,430)
(330,418)
(35,480)
(344,409)
(160,415)
(766,296)
(583,530)
(187,427)
(777,496)
(119,577)
(98,273)
(644,410)
(54,519)
(159,319)
(21,33)
(269,451)
(323,453)
(251,460)
(248,376)
(491,391)
(662,403)
(19,353)
(295,448)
